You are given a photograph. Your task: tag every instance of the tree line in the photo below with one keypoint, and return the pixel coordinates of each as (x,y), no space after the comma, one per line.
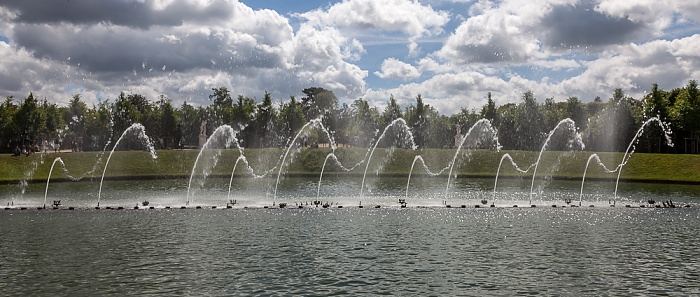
(604,125)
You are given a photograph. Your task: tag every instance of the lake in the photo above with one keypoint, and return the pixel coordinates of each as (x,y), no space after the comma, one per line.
(424,249)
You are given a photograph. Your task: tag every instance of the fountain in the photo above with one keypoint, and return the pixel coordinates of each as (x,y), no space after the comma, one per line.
(211,143)
(498,171)
(397,122)
(140,131)
(583,179)
(480,135)
(490,137)
(313,123)
(576,140)
(631,146)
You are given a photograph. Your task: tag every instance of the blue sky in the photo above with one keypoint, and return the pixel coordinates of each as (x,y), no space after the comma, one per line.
(451,52)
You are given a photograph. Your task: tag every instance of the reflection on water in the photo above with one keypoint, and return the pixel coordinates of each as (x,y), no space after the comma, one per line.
(351,251)
(344,191)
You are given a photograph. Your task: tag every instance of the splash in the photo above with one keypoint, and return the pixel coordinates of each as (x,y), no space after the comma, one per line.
(491,136)
(213,142)
(402,124)
(498,171)
(632,146)
(576,139)
(140,131)
(600,163)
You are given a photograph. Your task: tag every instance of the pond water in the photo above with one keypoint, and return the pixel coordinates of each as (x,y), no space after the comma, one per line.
(432,250)
(250,192)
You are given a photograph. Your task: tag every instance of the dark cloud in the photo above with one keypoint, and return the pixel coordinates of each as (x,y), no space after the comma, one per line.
(118,49)
(581,26)
(130,13)
(490,53)
(10,82)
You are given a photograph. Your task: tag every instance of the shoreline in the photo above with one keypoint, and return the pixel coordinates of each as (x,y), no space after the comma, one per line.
(355,175)
(307,163)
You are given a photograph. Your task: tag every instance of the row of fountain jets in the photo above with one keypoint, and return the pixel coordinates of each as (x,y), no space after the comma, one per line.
(225,137)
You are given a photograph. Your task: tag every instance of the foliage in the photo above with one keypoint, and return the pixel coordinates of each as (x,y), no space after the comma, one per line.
(604,125)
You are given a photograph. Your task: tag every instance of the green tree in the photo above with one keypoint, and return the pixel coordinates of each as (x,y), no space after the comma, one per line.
(507,126)
(123,114)
(364,123)
(77,111)
(54,120)
(489,110)
(318,102)
(417,120)
(98,127)
(8,136)
(169,122)
(576,111)
(222,107)
(29,120)
(685,116)
(190,121)
(530,124)
(291,118)
(391,112)
(264,133)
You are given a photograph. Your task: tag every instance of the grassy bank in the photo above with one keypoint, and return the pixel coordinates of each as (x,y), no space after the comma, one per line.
(178,164)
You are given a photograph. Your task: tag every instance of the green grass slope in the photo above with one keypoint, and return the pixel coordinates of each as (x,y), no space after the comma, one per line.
(663,168)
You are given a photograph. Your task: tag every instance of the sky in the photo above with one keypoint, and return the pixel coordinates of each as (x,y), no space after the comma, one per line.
(451,52)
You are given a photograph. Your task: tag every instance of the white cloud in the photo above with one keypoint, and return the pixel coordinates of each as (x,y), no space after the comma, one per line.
(409,17)
(557,64)
(320,60)
(635,67)
(393,68)
(571,47)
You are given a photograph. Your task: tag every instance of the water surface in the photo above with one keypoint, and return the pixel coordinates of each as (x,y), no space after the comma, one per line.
(351,251)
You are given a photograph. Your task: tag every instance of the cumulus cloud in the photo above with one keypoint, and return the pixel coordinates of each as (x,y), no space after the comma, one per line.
(496,36)
(571,26)
(178,48)
(141,14)
(409,17)
(635,67)
(448,92)
(358,17)
(393,68)
(182,49)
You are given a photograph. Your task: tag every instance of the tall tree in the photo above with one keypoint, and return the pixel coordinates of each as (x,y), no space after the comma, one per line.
(417,120)
(263,123)
(489,110)
(685,115)
(77,112)
(8,135)
(222,107)
(364,122)
(169,121)
(29,120)
(530,123)
(391,112)
(576,111)
(291,118)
